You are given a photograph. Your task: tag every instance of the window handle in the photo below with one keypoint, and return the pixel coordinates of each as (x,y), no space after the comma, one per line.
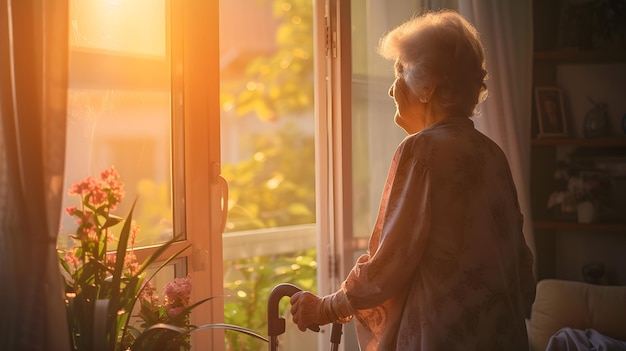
(222,188)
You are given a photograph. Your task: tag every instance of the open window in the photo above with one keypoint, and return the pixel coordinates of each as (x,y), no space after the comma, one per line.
(285,100)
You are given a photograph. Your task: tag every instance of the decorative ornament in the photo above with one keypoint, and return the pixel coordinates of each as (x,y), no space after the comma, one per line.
(596,121)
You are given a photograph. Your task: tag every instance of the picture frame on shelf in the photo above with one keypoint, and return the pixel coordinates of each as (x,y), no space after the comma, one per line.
(550,112)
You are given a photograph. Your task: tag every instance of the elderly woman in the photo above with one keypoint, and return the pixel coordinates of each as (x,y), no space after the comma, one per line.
(447,266)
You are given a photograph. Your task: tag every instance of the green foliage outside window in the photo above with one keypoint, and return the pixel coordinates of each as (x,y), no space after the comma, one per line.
(280,84)
(276,186)
(250,282)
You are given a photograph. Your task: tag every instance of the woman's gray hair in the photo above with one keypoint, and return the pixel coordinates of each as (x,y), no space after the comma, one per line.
(444,49)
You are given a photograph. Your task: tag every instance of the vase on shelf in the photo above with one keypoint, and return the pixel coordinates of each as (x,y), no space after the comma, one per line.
(596,121)
(586,212)
(566,211)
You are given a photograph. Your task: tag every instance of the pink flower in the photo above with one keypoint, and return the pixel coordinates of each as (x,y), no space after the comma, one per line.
(110,260)
(87,232)
(110,176)
(149,294)
(83,187)
(71,210)
(177,295)
(110,180)
(87,226)
(71,259)
(131,262)
(133,235)
(97,192)
(98,196)
(174,311)
(179,290)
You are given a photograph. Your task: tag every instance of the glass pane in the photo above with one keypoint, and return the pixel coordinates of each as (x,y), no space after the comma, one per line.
(124,27)
(119,110)
(374,134)
(268,157)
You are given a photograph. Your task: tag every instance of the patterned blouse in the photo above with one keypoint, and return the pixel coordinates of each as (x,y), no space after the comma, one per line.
(447,266)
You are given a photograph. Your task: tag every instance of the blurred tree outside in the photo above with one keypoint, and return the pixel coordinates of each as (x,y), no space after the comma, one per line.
(280,84)
(275,187)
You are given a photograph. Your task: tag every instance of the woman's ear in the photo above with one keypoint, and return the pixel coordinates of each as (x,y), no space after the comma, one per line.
(426,93)
(429,90)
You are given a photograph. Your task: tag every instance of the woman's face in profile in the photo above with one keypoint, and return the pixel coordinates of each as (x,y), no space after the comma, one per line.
(408,109)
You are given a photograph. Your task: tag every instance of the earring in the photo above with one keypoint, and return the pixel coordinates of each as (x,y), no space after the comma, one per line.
(423,99)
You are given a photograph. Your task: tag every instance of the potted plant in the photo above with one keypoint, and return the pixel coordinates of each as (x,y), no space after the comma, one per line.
(103,286)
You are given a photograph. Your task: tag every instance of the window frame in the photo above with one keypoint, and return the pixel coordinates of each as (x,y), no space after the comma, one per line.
(195,76)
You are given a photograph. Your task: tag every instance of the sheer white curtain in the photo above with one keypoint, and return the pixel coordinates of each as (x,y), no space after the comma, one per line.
(33,87)
(506,31)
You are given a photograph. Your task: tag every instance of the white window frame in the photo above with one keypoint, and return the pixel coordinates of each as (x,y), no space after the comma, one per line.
(197,100)
(334,141)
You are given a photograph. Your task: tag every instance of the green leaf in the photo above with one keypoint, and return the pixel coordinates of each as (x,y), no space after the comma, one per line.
(66,267)
(117,277)
(121,248)
(185,312)
(111,221)
(156,254)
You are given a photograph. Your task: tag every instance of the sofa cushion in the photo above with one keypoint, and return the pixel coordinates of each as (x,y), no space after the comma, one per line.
(578,305)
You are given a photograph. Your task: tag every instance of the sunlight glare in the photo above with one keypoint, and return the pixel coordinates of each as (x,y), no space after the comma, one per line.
(129,27)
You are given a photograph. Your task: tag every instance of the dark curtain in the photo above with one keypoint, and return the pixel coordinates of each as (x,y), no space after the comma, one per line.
(33,89)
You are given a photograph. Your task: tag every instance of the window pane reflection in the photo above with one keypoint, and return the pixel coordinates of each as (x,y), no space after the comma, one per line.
(119,110)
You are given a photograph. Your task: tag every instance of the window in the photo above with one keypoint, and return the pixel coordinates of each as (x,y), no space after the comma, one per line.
(139,100)
(119,107)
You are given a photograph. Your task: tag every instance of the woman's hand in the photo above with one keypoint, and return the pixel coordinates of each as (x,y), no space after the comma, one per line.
(308,309)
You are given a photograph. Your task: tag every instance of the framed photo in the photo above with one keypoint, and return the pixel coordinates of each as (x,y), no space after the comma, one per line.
(550,111)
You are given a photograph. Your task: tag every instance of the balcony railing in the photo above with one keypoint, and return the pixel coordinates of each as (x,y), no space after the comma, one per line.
(262,242)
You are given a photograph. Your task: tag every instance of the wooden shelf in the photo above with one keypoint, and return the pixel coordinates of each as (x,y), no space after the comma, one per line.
(562,245)
(580,227)
(575,56)
(591,142)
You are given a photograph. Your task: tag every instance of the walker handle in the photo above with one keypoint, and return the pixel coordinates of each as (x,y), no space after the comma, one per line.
(275,324)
